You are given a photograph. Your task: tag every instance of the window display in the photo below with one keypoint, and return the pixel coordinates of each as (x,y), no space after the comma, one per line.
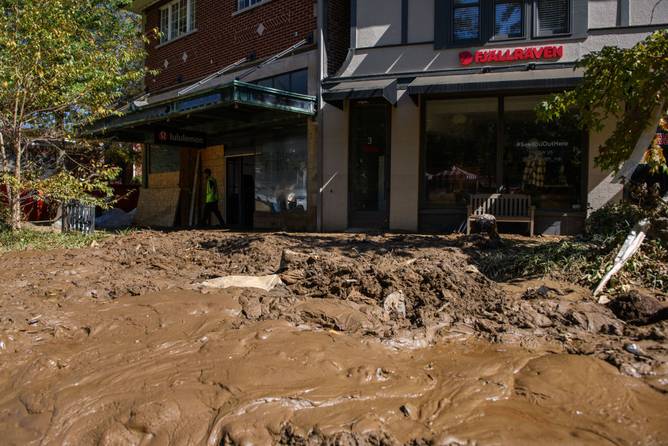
(460,155)
(280,174)
(543,160)
(470,146)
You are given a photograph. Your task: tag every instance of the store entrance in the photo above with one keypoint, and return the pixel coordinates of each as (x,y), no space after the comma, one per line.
(369,169)
(240,191)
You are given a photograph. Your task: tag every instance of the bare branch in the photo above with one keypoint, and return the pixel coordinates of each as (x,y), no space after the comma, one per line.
(651,18)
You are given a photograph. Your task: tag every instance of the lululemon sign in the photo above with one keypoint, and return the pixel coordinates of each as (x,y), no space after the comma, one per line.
(511,55)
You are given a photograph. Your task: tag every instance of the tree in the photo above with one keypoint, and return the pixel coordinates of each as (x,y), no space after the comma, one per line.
(628,85)
(63,64)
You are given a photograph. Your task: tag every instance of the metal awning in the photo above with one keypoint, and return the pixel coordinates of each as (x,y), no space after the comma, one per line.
(233,102)
(383,88)
(538,79)
(140,5)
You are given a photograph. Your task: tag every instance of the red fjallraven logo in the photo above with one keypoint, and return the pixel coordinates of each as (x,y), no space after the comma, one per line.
(465,58)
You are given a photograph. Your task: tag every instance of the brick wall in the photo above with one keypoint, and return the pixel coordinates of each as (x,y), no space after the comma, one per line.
(223,38)
(338,33)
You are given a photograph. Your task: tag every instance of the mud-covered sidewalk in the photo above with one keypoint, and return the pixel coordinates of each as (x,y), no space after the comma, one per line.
(120,343)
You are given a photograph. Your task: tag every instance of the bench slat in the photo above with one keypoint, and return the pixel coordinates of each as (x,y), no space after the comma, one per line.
(511,205)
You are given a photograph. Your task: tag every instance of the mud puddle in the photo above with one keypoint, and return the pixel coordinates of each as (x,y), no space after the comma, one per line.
(181,367)
(373,339)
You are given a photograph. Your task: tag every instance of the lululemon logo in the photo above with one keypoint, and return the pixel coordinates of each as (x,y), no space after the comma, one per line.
(465,58)
(162,136)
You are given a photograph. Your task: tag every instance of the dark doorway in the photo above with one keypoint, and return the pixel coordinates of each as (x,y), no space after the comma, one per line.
(240,191)
(369,169)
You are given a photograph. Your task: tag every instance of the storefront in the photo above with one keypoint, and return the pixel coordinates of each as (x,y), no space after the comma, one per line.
(416,157)
(436,103)
(257,140)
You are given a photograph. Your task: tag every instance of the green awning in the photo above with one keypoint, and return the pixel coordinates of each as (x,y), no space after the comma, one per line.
(231,98)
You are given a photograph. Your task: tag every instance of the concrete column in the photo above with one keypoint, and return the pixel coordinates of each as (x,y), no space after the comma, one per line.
(334,168)
(601,188)
(405,165)
(312,143)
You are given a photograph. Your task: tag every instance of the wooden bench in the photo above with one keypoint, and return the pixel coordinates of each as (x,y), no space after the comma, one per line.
(507,208)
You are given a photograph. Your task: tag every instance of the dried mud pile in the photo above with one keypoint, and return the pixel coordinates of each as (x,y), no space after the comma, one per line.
(121,344)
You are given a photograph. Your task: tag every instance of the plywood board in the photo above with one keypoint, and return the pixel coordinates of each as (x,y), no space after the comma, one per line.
(164,180)
(187,176)
(157,207)
(214,158)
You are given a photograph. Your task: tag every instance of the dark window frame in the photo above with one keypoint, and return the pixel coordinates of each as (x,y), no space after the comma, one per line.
(525,21)
(425,206)
(534,25)
(166,21)
(481,28)
(251,4)
(444,24)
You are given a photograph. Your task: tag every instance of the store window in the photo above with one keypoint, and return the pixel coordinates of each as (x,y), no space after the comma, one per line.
(460,150)
(474,22)
(280,174)
(295,82)
(466,20)
(542,160)
(177,18)
(474,146)
(163,159)
(552,17)
(243,4)
(508,19)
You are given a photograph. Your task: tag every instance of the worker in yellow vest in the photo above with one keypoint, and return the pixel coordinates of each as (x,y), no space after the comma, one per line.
(211,200)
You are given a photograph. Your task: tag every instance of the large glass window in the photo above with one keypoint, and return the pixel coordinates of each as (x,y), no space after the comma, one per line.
(295,82)
(177,18)
(280,174)
(466,20)
(508,19)
(552,17)
(460,155)
(543,160)
(466,152)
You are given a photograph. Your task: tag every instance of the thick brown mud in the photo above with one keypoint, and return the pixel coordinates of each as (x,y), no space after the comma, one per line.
(120,344)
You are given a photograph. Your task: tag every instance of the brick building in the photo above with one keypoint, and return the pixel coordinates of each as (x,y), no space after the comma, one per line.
(383,114)
(235,91)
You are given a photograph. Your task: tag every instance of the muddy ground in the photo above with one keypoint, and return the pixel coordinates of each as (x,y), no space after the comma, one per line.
(121,344)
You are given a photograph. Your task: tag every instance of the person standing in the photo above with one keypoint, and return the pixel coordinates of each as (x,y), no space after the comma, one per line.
(211,200)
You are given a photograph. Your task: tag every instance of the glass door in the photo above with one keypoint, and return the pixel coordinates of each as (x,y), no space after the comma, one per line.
(369,166)
(240,191)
